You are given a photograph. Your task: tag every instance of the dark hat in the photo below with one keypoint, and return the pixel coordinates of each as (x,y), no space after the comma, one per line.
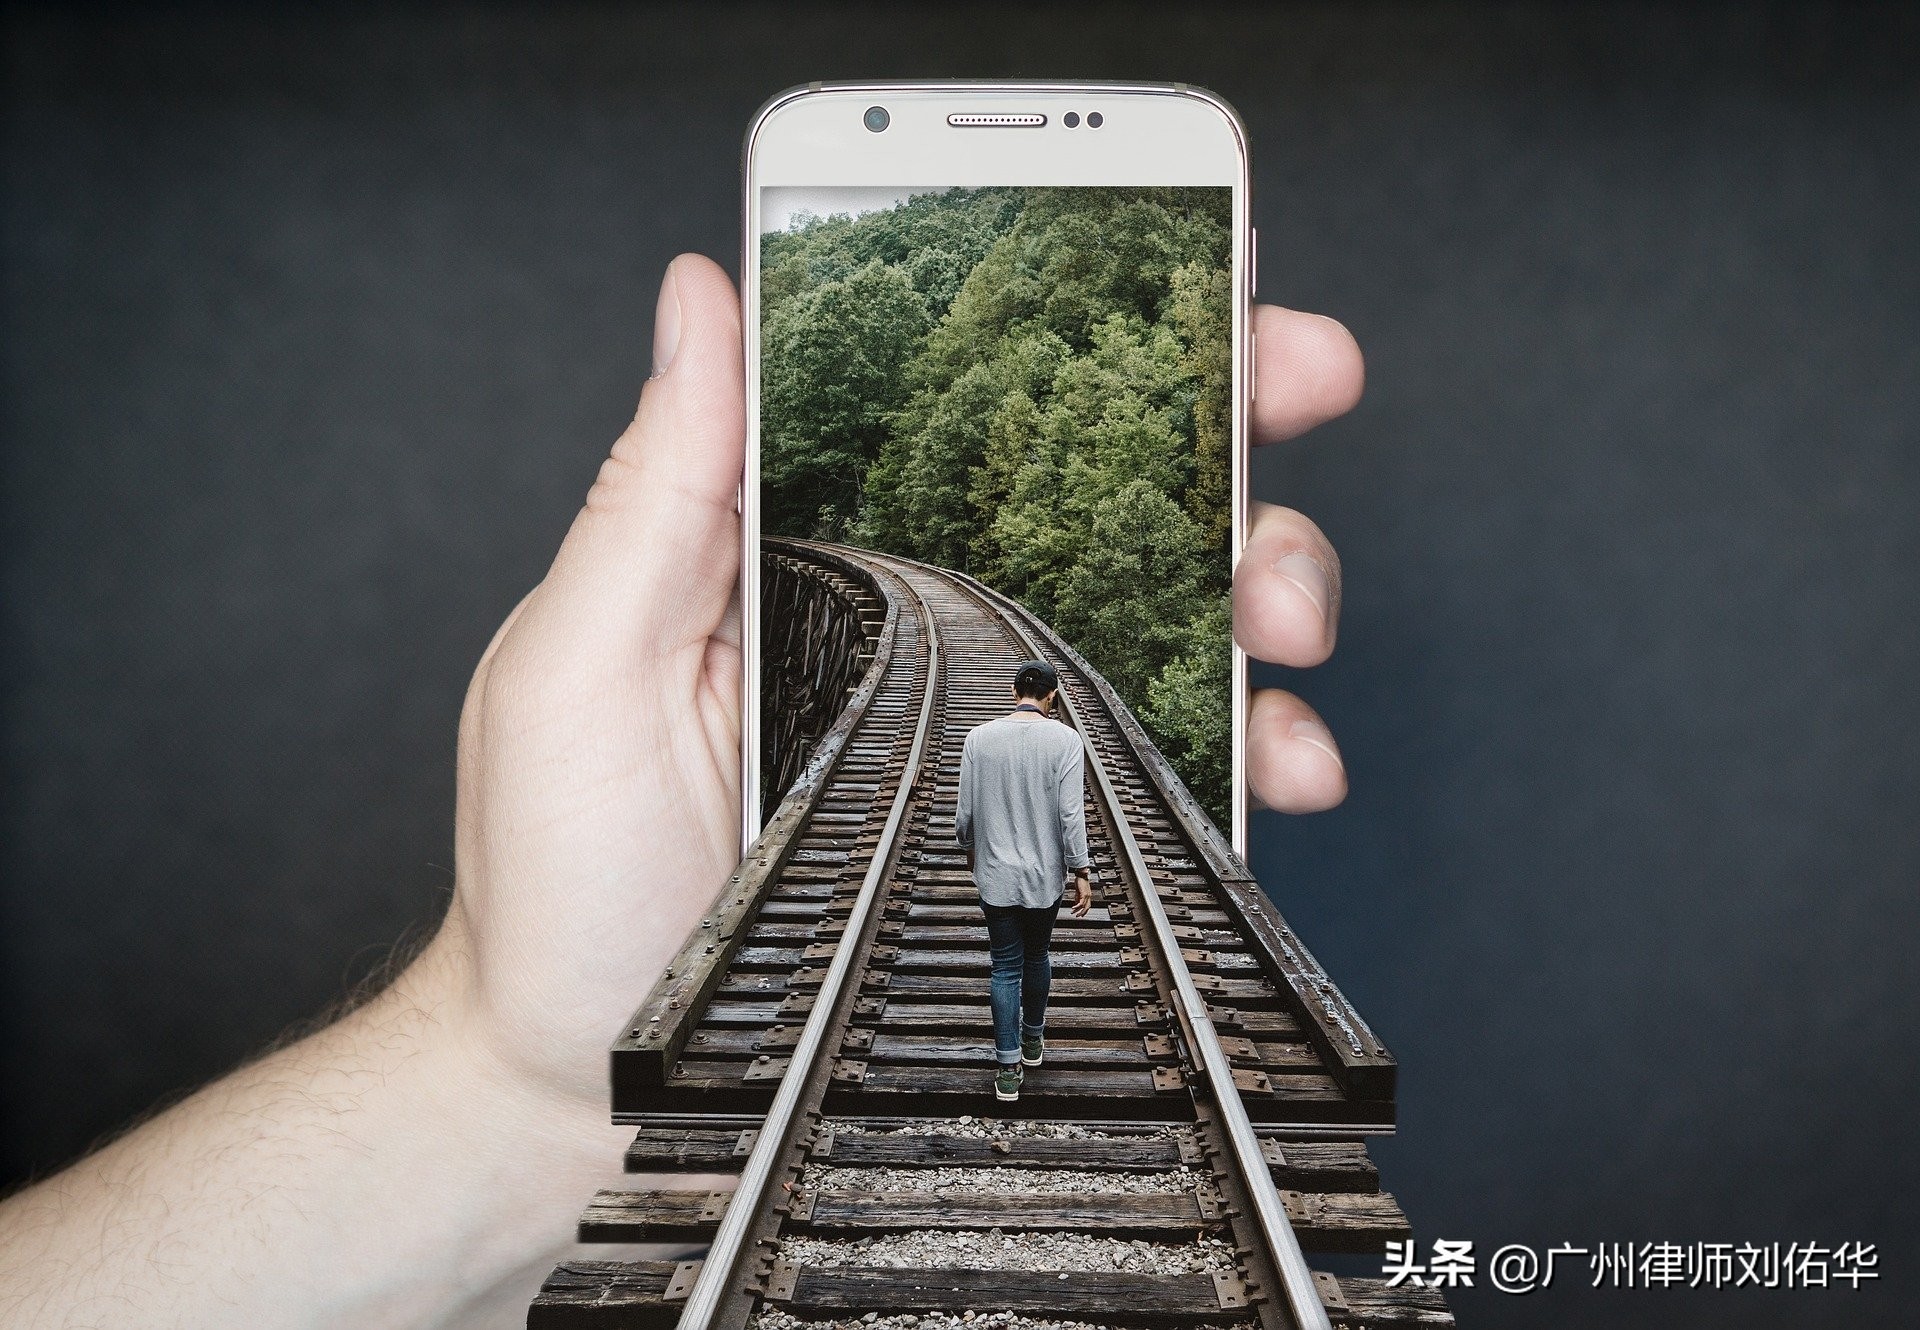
(1034,678)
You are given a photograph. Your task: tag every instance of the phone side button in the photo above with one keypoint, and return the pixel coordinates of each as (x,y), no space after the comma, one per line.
(1253,261)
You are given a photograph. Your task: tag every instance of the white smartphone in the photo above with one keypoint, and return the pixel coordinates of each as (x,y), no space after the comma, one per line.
(1003,329)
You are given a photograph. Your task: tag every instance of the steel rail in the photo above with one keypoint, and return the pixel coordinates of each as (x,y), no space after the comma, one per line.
(1283,1244)
(723,1254)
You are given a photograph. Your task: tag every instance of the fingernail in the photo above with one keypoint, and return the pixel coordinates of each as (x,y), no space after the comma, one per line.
(666,324)
(1313,732)
(1305,572)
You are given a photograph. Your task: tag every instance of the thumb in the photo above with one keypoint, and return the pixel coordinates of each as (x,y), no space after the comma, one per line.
(650,563)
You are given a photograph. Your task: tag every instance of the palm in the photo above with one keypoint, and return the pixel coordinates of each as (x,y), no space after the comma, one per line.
(599,746)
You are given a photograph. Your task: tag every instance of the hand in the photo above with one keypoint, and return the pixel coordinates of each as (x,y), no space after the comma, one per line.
(1082,897)
(598,808)
(1286,589)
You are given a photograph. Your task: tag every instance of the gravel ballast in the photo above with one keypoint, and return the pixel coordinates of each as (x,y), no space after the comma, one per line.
(994,1250)
(985,1129)
(778,1320)
(1067,1181)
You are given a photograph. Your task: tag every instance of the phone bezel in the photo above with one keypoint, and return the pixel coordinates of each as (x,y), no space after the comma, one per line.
(1168,134)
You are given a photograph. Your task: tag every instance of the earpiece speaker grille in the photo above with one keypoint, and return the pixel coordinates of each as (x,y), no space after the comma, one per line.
(996,120)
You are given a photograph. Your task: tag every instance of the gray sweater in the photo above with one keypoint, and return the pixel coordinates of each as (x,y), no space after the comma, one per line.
(1021,809)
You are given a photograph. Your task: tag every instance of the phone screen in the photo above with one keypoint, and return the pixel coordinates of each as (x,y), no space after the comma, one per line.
(1029,385)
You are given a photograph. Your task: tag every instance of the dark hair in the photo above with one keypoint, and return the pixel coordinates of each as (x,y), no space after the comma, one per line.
(1035,679)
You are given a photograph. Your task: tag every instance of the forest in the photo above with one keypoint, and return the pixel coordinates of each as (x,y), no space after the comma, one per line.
(1033,386)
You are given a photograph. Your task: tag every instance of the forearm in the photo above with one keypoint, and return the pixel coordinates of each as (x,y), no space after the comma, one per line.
(963,803)
(1073,832)
(1071,791)
(384,1171)
(1073,837)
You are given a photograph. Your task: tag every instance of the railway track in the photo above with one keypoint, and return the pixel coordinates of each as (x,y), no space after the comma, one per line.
(1197,1129)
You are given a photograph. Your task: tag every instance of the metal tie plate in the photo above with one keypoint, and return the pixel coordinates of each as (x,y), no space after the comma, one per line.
(1230,1289)
(681,1283)
(1212,1204)
(780,1282)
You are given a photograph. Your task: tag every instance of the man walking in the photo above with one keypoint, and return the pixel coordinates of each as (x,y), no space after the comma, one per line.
(1022,821)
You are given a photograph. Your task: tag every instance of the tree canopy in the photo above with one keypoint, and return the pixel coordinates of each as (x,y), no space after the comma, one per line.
(1032,386)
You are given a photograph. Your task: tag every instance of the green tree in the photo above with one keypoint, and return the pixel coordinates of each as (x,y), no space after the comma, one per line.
(1189,709)
(919,493)
(832,359)
(1130,397)
(1131,594)
(1200,308)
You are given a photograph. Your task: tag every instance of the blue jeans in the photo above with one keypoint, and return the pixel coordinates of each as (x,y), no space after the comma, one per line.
(1017,936)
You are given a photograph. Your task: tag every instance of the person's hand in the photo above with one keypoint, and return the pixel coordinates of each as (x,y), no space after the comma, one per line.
(1082,896)
(1286,589)
(599,798)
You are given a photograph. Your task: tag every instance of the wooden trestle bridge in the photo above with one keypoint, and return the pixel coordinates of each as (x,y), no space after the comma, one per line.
(1197,1130)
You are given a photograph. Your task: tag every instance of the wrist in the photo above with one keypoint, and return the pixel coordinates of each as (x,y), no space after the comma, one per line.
(512,1153)
(488,1065)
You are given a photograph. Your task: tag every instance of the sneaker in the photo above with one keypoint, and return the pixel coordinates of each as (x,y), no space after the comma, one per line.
(1006,1082)
(1032,1049)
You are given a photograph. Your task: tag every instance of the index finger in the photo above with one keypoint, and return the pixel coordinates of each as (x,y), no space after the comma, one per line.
(1307,370)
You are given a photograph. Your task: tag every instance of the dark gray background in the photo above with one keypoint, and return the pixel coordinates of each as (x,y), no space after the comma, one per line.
(316,328)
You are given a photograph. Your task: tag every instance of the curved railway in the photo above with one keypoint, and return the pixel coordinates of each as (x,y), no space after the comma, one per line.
(1198,1127)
